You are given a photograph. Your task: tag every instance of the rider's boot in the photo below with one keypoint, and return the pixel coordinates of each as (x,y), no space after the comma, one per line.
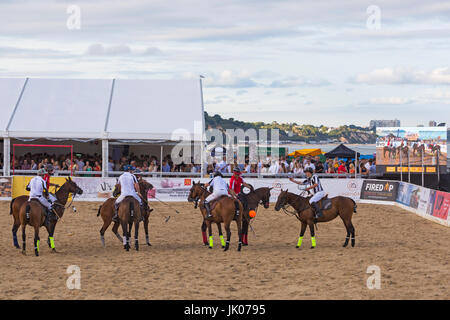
(208,210)
(317,210)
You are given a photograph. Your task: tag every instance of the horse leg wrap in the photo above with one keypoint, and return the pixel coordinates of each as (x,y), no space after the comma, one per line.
(124,241)
(205,239)
(222,241)
(52,242)
(299,243)
(313,242)
(211,241)
(37,245)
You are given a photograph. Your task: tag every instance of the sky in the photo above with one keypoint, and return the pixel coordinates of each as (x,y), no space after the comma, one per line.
(322,62)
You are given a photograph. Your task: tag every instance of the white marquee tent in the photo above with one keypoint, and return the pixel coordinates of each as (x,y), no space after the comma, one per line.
(155,111)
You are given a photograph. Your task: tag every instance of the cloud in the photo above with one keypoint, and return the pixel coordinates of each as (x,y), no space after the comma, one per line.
(391,100)
(437,76)
(98,49)
(292,82)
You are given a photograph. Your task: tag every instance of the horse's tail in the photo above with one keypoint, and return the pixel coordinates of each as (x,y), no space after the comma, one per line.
(27,212)
(11,206)
(354,205)
(131,209)
(99,209)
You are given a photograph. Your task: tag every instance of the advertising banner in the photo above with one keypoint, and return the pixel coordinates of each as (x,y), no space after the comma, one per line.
(441,204)
(379,190)
(402,149)
(5,188)
(20,183)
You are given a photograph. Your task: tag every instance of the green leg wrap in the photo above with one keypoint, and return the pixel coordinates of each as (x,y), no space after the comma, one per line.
(299,243)
(37,245)
(313,241)
(52,243)
(222,241)
(211,241)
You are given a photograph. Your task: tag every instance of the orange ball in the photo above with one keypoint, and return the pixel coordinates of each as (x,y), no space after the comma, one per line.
(252,213)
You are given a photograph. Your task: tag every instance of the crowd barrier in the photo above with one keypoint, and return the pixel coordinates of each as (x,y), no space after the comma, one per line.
(430,204)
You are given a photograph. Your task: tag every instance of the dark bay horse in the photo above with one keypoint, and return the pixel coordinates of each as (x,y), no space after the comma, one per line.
(106,211)
(254,199)
(418,150)
(33,213)
(129,213)
(222,211)
(340,206)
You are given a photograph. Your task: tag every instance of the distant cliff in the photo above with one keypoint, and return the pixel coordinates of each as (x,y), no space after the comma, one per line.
(296,132)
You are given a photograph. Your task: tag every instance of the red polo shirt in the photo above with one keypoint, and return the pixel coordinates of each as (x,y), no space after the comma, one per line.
(47,180)
(236,183)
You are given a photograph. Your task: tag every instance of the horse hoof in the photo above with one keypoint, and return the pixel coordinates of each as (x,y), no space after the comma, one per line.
(17,246)
(223,247)
(24,253)
(53,251)
(149,244)
(36,253)
(210,247)
(226,248)
(312,247)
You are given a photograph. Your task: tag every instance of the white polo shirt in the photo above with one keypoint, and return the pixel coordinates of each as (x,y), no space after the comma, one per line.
(36,187)
(127,181)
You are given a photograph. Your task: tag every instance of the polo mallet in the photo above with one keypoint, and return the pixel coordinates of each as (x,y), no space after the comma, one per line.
(168,217)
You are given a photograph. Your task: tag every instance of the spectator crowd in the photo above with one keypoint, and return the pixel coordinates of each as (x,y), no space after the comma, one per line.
(151,164)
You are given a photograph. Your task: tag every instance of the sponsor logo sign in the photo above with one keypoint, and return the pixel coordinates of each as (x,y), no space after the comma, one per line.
(379,190)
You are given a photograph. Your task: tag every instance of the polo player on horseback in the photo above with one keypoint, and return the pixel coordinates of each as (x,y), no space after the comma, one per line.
(129,186)
(315,188)
(50,170)
(144,205)
(236,184)
(38,190)
(220,188)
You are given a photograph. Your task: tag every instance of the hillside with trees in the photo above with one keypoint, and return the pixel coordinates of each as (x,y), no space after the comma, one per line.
(298,132)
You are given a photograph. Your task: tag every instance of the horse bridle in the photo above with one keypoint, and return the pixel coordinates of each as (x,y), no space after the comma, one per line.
(74,194)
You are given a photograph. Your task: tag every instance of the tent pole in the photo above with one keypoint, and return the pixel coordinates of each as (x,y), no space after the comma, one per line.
(202,165)
(6,156)
(401,163)
(105,157)
(423,171)
(160,161)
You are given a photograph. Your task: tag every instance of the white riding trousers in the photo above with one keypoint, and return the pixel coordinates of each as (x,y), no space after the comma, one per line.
(317,197)
(215,195)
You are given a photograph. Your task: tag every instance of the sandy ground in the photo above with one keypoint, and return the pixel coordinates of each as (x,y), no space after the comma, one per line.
(413,255)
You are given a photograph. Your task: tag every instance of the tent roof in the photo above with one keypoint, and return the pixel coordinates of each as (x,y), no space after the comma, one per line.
(341,151)
(306,152)
(95,109)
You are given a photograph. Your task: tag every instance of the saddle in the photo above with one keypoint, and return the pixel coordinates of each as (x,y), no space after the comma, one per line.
(213,203)
(325,203)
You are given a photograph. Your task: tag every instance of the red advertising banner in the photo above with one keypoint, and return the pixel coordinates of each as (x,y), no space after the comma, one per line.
(441,205)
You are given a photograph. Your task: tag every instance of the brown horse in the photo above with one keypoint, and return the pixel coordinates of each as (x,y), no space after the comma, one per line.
(33,214)
(389,151)
(436,149)
(340,206)
(106,211)
(403,151)
(418,150)
(223,210)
